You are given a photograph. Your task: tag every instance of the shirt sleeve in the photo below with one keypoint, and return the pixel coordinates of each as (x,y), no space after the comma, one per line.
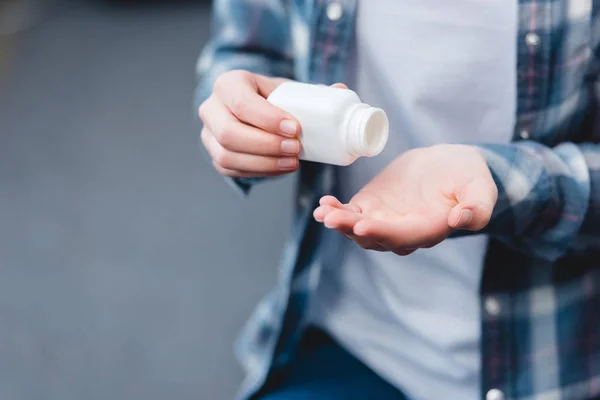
(250,35)
(549,198)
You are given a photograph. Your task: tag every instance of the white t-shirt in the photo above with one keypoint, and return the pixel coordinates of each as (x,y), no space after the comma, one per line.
(443,73)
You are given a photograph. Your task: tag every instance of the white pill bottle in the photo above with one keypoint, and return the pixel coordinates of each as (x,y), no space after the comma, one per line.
(337,128)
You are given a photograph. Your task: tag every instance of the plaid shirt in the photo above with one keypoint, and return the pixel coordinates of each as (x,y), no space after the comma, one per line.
(540,291)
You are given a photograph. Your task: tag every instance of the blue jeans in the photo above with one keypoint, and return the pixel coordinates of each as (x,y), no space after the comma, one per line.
(323,370)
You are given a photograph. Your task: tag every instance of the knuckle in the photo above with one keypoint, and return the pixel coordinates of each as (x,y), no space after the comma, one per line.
(237,105)
(231,173)
(364,243)
(494,189)
(221,82)
(224,80)
(227,135)
(240,74)
(484,220)
(486,215)
(203,136)
(430,244)
(223,158)
(202,110)
(225,172)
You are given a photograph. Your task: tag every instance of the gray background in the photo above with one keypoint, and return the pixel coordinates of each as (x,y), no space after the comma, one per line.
(126,265)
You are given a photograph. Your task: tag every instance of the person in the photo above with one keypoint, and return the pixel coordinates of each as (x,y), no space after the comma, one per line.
(463,261)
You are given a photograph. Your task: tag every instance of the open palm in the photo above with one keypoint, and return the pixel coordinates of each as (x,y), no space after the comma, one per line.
(416,201)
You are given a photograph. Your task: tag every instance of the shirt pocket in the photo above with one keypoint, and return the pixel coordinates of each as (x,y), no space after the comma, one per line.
(554,54)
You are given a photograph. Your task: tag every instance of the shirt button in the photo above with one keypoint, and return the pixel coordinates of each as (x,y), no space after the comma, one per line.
(335,11)
(492,306)
(524,134)
(532,40)
(494,394)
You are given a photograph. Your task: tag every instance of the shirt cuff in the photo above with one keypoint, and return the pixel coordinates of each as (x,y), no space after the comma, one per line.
(543,195)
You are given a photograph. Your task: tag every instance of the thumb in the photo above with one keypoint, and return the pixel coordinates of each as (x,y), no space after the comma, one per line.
(339,86)
(336,85)
(476,203)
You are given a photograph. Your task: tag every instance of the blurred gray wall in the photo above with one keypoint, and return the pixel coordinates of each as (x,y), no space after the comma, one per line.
(126,265)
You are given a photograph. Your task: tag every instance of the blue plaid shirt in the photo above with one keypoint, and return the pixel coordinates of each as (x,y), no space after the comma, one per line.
(540,292)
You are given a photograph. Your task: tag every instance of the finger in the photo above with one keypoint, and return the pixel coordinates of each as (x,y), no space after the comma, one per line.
(321,212)
(247,163)
(405,252)
(204,136)
(334,202)
(241,138)
(244,95)
(368,244)
(330,201)
(365,201)
(365,243)
(344,225)
(342,219)
(407,233)
(241,174)
(475,205)
(205,139)
(206,142)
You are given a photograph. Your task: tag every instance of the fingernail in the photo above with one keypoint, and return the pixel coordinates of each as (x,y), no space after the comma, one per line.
(465,218)
(288,127)
(328,224)
(287,163)
(290,146)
